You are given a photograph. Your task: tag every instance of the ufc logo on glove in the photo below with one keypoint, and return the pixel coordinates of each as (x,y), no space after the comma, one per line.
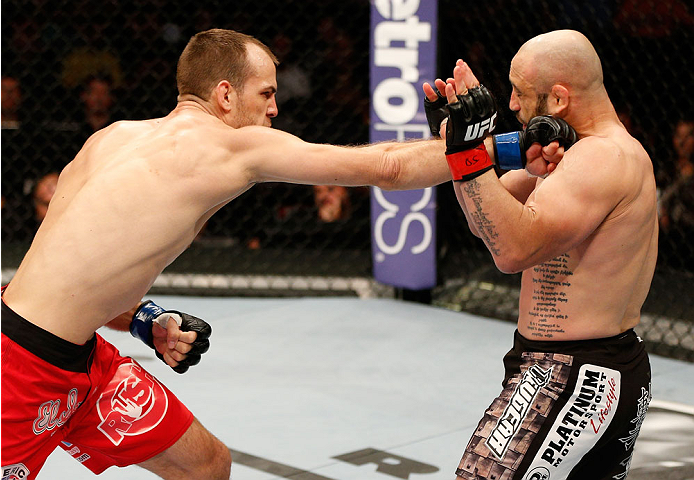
(478,130)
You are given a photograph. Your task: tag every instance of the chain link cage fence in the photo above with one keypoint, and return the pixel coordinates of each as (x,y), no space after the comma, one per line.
(71,67)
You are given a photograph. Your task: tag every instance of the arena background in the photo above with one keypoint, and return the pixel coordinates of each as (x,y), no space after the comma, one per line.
(82,64)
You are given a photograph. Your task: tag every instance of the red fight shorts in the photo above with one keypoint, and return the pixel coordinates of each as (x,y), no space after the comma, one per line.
(100,407)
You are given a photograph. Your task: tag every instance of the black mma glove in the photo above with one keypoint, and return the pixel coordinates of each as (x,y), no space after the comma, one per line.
(149,312)
(510,148)
(436,112)
(470,120)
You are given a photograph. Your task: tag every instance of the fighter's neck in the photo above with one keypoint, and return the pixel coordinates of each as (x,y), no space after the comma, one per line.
(594,121)
(191,102)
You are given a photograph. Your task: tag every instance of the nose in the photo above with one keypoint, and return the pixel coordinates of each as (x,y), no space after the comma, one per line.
(272,109)
(513,103)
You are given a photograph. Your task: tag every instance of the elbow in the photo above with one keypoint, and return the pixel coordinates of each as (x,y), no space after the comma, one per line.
(507,267)
(389,173)
(510,262)
(473,229)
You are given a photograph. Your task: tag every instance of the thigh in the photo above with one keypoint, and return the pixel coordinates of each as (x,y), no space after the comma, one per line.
(131,417)
(612,456)
(551,414)
(511,425)
(38,399)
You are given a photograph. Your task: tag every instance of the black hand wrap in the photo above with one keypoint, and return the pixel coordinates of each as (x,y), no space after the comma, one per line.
(546,129)
(436,112)
(149,312)
(510,148)
(470,120)
(198,347)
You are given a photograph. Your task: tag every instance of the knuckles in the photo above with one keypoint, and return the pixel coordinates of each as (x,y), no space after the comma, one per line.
(201,344)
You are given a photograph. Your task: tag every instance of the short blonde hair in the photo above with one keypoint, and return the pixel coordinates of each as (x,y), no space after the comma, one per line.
(212,56)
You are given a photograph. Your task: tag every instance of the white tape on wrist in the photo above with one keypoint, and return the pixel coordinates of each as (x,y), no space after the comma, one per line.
(163,319)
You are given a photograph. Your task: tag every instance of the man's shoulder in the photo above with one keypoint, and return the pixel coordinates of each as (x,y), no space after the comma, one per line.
(124,127)
(605,149)
(592,143)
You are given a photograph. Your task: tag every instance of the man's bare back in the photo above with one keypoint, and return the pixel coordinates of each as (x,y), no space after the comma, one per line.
(131,201)
(128,205)
(596,289)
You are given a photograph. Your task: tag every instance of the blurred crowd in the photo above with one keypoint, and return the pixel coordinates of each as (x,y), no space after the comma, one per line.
(72,71)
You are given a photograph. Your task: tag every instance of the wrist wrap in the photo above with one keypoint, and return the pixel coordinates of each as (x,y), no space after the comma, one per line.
(507,150)
(141,325)
(469,164)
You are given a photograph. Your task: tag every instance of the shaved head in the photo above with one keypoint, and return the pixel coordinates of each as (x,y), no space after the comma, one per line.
(560,57)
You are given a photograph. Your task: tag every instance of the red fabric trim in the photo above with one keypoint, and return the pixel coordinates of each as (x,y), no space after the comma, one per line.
(467,162)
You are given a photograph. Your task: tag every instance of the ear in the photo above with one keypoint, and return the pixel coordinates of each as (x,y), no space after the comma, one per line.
(225,95)
(559,100)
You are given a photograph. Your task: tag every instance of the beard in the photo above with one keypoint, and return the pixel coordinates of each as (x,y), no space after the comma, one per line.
(540,108)
(244,119)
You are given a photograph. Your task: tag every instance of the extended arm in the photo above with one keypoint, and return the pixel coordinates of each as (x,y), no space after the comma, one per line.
(273,155)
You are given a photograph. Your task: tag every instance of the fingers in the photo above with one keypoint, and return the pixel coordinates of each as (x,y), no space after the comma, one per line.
(463,80)
(542,161)
(169,361)
(173,332)
(451,93)
(535,164)
(172,343)
(429,92)
(175,355)
(553,153)
(458,76)
(440,85)
(534,152)
(183,344)
(186,338)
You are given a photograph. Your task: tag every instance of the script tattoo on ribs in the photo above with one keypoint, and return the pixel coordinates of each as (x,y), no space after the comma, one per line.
(484,225)
(550,282)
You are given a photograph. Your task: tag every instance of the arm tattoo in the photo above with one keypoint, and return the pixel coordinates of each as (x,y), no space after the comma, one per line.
(484,225)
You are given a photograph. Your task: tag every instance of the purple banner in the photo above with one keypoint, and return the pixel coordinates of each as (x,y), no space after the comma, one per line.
(403,56)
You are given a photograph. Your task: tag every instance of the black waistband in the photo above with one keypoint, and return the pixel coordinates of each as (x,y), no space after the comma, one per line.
(624,346)
(48,347)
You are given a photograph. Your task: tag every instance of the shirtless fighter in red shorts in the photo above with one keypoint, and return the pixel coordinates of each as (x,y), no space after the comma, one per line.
(131,201)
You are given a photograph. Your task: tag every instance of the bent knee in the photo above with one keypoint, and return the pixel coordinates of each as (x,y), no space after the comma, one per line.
(217,462)
(198,455)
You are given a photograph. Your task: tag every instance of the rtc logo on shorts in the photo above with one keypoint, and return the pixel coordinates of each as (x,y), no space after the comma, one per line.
(133,403)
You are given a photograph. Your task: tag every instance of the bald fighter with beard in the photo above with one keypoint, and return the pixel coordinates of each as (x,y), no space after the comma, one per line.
(577,381)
